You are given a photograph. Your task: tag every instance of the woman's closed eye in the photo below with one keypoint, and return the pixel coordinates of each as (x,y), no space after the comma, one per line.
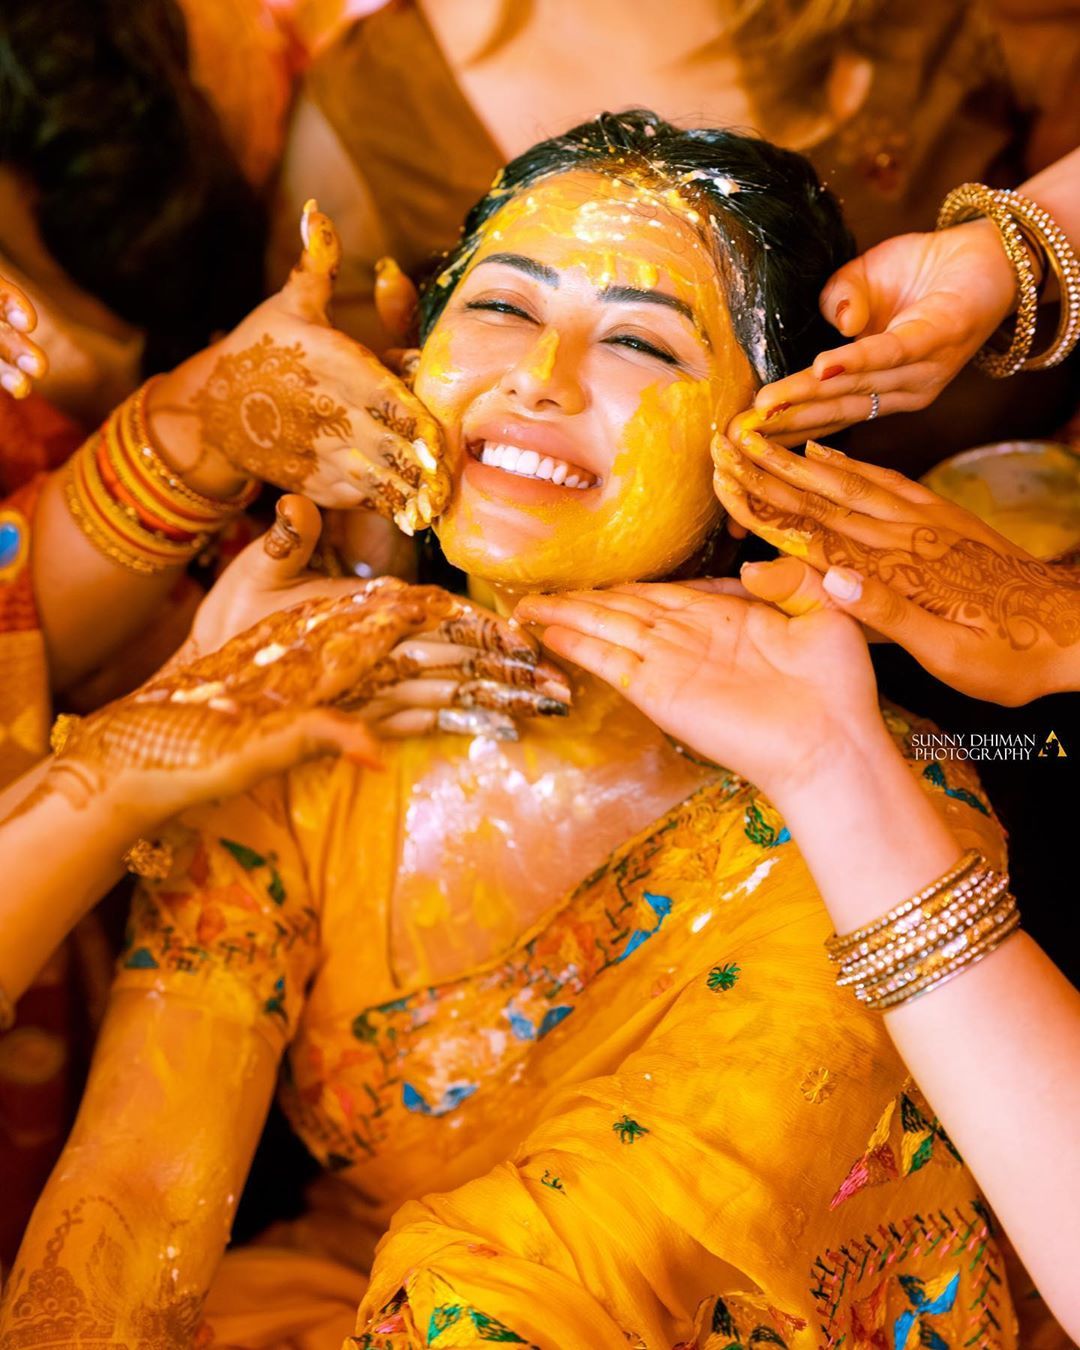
(498,305)
(647,346)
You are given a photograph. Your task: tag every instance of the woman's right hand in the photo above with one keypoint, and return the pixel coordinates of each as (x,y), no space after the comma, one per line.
(20,359)
(288,399)
(918,308)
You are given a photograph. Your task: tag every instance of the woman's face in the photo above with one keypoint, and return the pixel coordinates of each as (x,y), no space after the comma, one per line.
(579,369)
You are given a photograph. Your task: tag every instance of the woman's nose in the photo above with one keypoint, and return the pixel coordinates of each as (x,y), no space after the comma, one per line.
(546,377)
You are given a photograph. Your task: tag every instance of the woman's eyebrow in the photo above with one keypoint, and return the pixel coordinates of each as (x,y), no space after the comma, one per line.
(635,295)
(537,270)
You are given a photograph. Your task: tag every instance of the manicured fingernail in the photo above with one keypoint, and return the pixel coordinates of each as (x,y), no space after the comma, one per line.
(305,220)
(18,318)
(841,309)
(816,451)
(424,455)
(553,707)
(29,363)
(843,584)
(776,410)
(13,382)
(831,372)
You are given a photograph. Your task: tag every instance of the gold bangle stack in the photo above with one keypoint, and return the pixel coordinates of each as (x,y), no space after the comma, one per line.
(131,505)
(929,938)
(1024,228)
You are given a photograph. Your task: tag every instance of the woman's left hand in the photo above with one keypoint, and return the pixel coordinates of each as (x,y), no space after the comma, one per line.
(974,609)
(476,676)
(919,307)
(734,679)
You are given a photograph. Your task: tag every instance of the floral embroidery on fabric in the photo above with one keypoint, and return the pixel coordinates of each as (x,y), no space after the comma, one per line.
(248,937)
(628,1130)
(863,1307)
(892,1152)
(818,1085)
(764,825)
(722,978)
(251,861)
(738,1320)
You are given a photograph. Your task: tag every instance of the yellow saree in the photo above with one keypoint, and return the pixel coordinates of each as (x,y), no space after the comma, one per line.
(652,1121)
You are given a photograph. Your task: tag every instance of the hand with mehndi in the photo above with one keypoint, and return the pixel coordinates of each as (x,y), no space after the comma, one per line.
(288,399)
(20,359)
(919,307)
(974,609)
(733,679)
(474,675)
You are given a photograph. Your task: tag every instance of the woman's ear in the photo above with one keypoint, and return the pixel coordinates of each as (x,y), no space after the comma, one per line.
(396,303)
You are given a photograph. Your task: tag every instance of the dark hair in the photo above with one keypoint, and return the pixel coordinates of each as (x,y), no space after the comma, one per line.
(776,232)
(136,194)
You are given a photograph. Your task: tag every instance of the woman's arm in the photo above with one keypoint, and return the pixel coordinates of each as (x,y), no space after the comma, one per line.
(790,704)
(136,1215)
(997,1050)
(918,308)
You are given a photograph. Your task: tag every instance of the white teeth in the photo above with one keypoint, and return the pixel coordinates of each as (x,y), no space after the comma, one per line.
(530,464)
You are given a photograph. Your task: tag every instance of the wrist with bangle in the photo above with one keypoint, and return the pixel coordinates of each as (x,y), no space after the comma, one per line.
(1036,248)
(929,938)
(131,505)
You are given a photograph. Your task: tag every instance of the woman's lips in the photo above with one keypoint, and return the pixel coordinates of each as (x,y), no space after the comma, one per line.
(526,462)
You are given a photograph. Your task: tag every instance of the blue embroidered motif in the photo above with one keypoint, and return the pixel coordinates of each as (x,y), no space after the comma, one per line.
(923,1307)
(452,1098)
(661,907)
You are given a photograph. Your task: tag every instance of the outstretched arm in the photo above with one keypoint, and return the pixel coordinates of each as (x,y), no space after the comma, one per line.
(133,1222)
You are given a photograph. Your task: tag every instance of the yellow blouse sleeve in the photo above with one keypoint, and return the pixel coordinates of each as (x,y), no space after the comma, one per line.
(758,1171)
(233,925)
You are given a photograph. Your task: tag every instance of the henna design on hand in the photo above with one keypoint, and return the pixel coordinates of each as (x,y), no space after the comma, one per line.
(61,1305)
(260,409)
(315,654)
(956,578)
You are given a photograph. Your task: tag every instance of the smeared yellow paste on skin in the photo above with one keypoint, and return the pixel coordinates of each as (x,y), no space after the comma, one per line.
(547,351)
(655,504)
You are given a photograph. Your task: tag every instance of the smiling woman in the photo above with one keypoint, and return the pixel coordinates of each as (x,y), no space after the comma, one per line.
(615,298)
(555,1013)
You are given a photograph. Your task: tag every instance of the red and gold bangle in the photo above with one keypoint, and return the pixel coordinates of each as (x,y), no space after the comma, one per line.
(112,527)
(202,511)
(131,505)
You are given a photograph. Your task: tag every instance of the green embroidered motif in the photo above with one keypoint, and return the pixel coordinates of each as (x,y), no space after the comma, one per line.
(246,857)
(250,861)
(628,1130)
(487,1328)
(722,978)
(276,888)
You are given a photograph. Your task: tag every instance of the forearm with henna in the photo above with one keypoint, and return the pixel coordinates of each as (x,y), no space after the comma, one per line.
(1021,599)
(127,1235)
